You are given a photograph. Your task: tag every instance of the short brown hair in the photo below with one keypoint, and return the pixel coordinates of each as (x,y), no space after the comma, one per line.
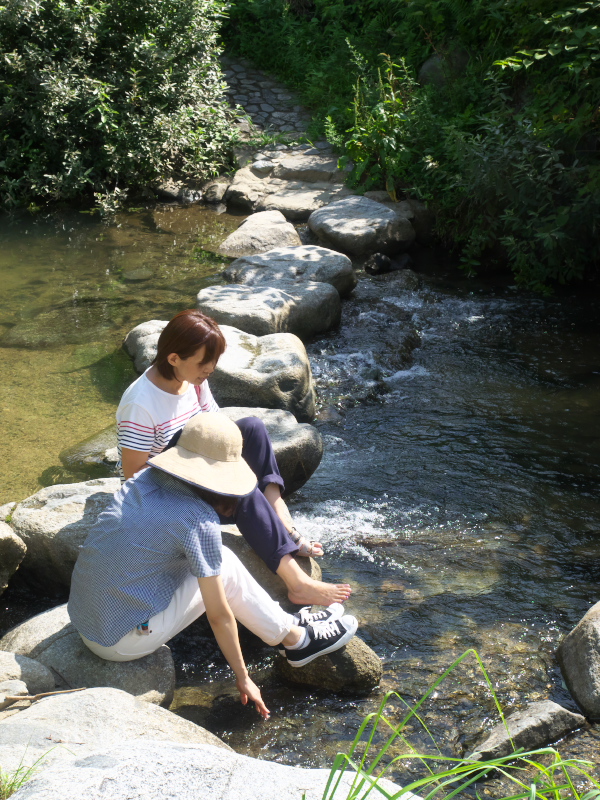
(187,332)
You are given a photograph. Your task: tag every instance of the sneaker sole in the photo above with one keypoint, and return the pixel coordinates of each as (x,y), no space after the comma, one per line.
(332,648)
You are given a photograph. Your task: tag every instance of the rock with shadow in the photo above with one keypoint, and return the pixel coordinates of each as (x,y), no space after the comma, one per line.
(71,726)
(537,725)
(12,553)
(354,668)
(270,371)
(35,675)
(303,309)
(294,265)
(258,234)
(54,523)
(579,659)
(361,226)
(51,639)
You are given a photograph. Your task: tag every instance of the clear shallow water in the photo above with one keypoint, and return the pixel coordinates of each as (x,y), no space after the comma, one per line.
(458,492)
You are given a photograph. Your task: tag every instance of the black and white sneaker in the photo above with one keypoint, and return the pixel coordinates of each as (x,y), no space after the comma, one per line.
(306,617)
(323,638)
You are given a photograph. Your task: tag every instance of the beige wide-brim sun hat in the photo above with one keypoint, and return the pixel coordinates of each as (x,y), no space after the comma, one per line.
(209,455)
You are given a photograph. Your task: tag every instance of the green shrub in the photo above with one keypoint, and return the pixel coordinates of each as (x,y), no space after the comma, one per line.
(108,96)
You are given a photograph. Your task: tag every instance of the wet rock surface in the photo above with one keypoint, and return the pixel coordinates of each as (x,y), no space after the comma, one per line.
(539,724)
(54,523)
(579,659)
(51,639)
(71,726)
(12,553)
(305,309)
(259,233)
(296,265)
(361,226)
(183,770)
(354,668)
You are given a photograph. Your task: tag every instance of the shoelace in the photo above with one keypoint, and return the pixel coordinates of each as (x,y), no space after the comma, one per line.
(324,630)
(306,616)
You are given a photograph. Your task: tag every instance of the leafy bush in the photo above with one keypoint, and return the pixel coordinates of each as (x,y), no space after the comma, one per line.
(504,148)
(107,96)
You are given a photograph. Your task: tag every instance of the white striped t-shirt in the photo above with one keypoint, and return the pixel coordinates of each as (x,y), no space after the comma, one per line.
(148,417)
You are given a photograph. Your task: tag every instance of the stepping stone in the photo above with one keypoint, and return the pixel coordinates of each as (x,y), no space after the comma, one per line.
(270,371)
(295,265)
(307,168)
(298,205)
(51,639)
(258,234)
(301,309)
(360,226)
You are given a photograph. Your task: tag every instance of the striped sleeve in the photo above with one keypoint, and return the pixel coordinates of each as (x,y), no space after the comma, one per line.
(205,399)
(135,428)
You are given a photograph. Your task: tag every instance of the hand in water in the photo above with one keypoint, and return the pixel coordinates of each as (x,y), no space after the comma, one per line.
(249,691)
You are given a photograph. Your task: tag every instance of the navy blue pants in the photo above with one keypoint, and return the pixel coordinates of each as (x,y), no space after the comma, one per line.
(257,522)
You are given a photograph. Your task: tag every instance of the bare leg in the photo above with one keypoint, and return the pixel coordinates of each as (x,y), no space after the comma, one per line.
(306,591)
(273,494)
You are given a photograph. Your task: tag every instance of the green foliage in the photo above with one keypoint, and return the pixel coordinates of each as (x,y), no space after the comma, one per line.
(540,773)
(11,782)
(108,96)
(503,142)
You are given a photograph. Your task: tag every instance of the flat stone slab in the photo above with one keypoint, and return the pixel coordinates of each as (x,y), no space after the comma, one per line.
(12,553)
(579,659)
(288,308)
(270,371)
(294,265)
(298,204)
(54,523)
(34,675)
(258,234)
(354,668)
(539,724)
(51,639)
(71,726)
(306,168)
(298,447)
(149,769)
(361,226)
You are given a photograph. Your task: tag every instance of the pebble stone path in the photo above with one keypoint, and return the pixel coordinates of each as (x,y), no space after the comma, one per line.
(266,102)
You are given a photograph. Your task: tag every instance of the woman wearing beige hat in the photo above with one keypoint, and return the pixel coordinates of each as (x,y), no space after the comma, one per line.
(173,390)
(154,562)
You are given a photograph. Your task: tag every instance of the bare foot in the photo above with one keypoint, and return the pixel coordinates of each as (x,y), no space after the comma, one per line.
(318,593)
(308,549)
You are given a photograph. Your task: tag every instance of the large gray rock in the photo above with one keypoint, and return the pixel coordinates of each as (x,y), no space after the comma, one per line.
(259,233)
(51,639)
(311,168)
(579,659)
(294,265)
(12,552)
(54,522)
(10,689)
(288,308)
(181,771)
(270,582)
(298,447)
(297,202)
(537,725)
(353,668)
(270,371)
(360,226)
(35,675)
(246,189)
(64,727)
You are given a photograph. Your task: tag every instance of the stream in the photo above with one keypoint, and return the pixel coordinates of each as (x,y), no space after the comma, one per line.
(458,492)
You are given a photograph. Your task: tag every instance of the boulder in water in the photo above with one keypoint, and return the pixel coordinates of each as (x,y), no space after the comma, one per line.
(579,659)
(258,234)
(12,552)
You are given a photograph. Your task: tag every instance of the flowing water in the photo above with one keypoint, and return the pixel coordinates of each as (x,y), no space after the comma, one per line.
(458,492)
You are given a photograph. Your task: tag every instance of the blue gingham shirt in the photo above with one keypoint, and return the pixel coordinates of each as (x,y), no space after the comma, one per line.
(155,531)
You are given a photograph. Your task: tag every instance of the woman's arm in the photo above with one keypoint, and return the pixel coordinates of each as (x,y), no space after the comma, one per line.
(225,629)
(132,461)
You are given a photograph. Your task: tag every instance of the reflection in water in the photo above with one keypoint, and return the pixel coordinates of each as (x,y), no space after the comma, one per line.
(458,492)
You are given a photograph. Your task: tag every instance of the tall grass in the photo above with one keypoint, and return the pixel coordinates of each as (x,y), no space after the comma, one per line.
(541,773)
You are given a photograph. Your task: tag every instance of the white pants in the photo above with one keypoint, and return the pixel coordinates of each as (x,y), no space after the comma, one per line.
(250,604)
